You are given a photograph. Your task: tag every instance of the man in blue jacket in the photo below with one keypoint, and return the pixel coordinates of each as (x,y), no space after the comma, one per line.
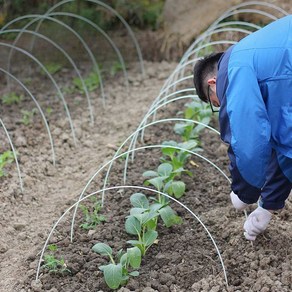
(252,84)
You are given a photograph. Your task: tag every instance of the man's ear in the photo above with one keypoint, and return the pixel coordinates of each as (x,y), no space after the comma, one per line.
(211,81)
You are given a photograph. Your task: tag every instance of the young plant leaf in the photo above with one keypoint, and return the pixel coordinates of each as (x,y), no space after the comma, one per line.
(169,151)
(146,216)
(139,200)
(113,275)
(137,211)
(149,237)
(135,242)
(124,259)
(155,207)
(151,224)
(188,145)
(134,256)
(134,274)
(102,249)
(157,182)
(178,188)
(150,173)
(165,169)
(132,225)
(179,128)
(169,217)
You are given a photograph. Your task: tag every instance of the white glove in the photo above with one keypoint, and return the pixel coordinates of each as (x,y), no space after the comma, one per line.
(256,223)
(237,203)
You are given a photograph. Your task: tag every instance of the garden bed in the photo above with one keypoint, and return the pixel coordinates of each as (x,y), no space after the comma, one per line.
(183,259)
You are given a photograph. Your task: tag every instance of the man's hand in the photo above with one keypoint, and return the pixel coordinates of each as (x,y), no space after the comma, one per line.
(256,223)
(237,203)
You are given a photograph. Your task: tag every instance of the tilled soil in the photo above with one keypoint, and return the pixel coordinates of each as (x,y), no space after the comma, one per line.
(184,258)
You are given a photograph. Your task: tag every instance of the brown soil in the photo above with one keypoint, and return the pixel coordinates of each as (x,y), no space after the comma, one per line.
(184,259)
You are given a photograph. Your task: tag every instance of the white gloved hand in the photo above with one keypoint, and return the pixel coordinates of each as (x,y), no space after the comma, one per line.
(256,223)
(236,202)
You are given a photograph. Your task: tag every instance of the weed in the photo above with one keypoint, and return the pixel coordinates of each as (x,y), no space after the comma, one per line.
(92,217)
(115,68)
(52,68)
(91,81)
(53,264)
(27,116)
(5,158)
(49,111)
(11,98)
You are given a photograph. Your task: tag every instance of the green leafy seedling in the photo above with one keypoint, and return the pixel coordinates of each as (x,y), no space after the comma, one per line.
(6,157)
(27,116)
(143,218)
(197,111)
(92,217)
(92,82)
(52,68)
(118,271)
(49,111)
(53,264)
(178,158)
(163,180)
(115,68)
(142,222)
(11,98)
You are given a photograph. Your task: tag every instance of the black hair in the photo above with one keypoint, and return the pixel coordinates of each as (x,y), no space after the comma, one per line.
(202,69)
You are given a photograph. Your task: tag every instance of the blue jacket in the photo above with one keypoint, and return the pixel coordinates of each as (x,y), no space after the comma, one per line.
(254,86)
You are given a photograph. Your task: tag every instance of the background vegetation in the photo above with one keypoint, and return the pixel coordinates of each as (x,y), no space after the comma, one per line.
(145,14)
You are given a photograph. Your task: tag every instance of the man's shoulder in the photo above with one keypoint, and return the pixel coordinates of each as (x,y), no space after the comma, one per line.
(223,62)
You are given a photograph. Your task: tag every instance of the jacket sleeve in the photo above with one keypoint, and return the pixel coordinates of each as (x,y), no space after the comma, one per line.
(245,191)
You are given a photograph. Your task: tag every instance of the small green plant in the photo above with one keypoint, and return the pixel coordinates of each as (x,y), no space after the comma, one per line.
(49,111)
(163,180)
(176,157)
(91,81)
(92,217)
(52,68)
(118,271)
(197,111)
(5,158)
(142,222)
(11,98)
(115,68)
(151,210)
(53,264)
(27,116)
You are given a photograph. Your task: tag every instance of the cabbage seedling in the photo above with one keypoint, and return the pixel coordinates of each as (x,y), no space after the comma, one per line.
(176,157)
(117,273)
(163,180)
(142,222)
(195,111)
